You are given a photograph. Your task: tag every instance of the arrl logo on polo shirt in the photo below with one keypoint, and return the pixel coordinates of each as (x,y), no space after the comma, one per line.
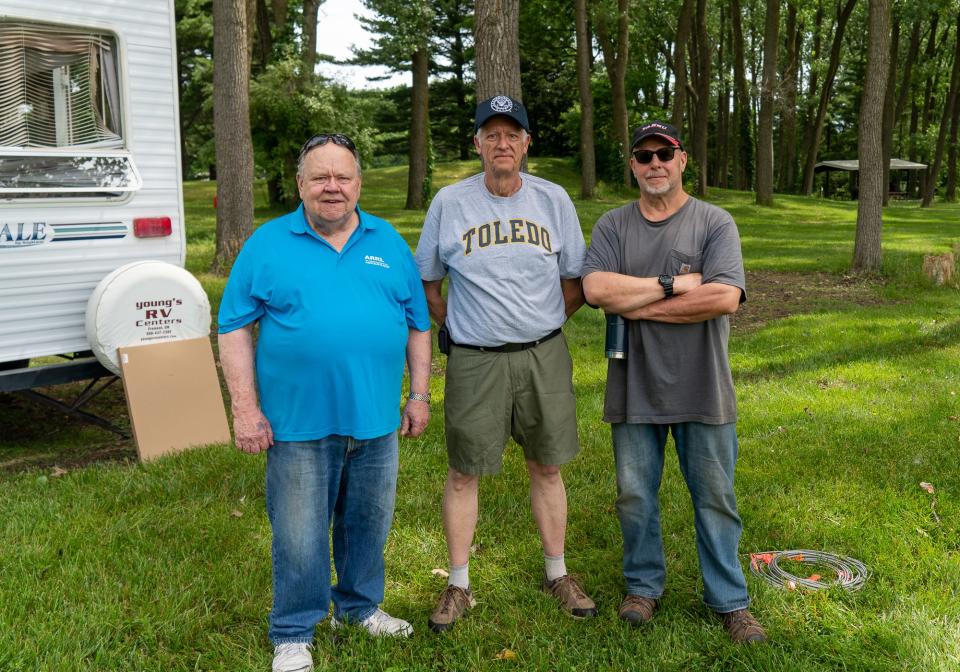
(375,261)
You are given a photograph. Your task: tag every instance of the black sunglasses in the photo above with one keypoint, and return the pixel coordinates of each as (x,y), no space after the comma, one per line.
(645,156)
(323,138)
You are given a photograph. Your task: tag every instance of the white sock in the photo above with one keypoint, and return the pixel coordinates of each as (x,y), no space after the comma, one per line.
(460,576)
(555,566)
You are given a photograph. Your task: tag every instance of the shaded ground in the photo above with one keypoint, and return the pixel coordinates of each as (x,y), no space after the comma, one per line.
(773,296)
(35,437)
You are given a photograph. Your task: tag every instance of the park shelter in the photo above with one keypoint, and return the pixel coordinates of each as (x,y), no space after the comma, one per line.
(852,166)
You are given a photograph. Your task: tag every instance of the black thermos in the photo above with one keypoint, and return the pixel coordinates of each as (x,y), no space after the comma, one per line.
(616,345)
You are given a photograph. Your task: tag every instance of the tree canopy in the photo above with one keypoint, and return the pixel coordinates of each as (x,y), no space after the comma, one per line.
(761,89)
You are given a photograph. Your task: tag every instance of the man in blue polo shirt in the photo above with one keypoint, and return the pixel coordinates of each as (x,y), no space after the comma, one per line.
(339,304)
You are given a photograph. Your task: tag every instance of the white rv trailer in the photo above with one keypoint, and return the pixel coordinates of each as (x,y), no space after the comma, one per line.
(89,161)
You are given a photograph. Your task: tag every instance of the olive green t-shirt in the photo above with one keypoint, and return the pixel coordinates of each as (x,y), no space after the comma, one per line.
(673,372)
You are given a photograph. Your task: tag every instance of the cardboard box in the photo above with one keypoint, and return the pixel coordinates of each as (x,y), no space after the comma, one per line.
(173,395)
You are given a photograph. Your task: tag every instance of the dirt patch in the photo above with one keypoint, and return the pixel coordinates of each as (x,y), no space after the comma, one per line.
(772,296)
(63,462)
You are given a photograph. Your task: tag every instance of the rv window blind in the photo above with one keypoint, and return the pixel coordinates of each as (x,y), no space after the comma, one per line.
(58,88)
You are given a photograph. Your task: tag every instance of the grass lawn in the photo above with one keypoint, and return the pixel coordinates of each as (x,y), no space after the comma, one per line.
(848,400)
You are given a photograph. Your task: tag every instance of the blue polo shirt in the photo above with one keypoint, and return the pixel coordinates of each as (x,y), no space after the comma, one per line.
(333,326)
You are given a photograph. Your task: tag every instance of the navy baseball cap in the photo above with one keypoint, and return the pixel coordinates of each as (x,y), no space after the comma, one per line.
(657,129)
(503,106)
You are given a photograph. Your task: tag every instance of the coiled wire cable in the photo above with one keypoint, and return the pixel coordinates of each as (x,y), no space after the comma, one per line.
(851,574)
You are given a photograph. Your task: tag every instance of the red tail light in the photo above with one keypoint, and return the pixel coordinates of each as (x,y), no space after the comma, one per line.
(152,227)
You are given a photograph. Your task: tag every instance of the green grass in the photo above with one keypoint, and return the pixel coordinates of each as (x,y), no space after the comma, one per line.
(846,404)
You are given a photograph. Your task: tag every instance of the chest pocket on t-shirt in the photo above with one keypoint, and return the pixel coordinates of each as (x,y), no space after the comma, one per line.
(681,263)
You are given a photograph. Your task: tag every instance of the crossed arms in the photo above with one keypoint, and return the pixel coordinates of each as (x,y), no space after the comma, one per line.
(643,298)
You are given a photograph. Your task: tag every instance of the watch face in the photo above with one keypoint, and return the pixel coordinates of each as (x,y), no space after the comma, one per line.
(665,279)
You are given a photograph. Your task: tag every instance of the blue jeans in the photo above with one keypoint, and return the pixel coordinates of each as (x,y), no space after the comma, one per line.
(352,482)
(707,455)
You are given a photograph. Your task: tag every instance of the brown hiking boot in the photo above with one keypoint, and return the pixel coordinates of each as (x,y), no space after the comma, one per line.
(743,627)
(637,610)
(571,596)
(454,603)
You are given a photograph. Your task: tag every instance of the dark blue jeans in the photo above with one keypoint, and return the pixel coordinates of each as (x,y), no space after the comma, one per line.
(309,483)
(707,455)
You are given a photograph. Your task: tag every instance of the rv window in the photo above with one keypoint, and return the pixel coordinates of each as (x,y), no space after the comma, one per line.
(51,175)
(59,91)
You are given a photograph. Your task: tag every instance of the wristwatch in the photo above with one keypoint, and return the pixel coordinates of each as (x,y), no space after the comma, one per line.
(416,396)
(666,281)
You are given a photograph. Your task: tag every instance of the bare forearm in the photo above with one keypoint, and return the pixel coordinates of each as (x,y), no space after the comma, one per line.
(419,352)
(435,301)
(621,294)
(572,295)
(236,359)
(698,305)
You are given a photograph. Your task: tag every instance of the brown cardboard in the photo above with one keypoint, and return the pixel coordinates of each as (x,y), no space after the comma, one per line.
(173,396)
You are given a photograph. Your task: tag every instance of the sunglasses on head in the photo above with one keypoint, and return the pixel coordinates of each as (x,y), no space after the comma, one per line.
(323,138)
(645,156)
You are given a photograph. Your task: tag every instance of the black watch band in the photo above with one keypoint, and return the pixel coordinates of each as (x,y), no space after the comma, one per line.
(666,281)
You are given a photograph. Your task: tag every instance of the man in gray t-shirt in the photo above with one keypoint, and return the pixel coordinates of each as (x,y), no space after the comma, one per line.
(671,266)
(512,248)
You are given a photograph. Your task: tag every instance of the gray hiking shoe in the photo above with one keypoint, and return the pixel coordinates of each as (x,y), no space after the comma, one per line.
(380,624)
(292,657)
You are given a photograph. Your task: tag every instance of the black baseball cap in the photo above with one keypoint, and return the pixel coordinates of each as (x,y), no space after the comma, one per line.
(503,106)
(657,129)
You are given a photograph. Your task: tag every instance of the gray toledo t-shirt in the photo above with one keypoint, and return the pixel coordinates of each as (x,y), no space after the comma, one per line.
(673,372)
(505,257)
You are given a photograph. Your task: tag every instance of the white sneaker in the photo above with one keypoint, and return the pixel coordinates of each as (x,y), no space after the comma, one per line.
(380,624)
(292,657)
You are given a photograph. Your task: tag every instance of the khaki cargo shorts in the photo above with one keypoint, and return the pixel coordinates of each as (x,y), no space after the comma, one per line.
(491,396)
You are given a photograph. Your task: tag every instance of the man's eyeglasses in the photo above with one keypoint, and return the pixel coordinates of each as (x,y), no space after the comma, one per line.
(323,138)
(645,156)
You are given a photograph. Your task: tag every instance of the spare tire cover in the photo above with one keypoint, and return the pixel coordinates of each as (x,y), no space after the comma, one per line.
(144,302)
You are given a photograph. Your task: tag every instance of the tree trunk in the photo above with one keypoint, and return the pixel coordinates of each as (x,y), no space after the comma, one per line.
(701,129)
(906,87)
(497,45)
(723,107)
(309,56)
(813,88)
(932,62)
(765,124)
(934,172)
(889,103)
(250,11)
(419,130)
(264,39)
(867,253)
(615,55)
(742,126)
(913,176)
(907,81)
(465,132)
(280,12)
(680,64)
(950,192)
(588,161)
(231,130)
(790,77)
(843,14)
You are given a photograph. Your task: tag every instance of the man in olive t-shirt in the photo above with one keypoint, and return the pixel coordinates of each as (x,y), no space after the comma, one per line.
(671,266)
